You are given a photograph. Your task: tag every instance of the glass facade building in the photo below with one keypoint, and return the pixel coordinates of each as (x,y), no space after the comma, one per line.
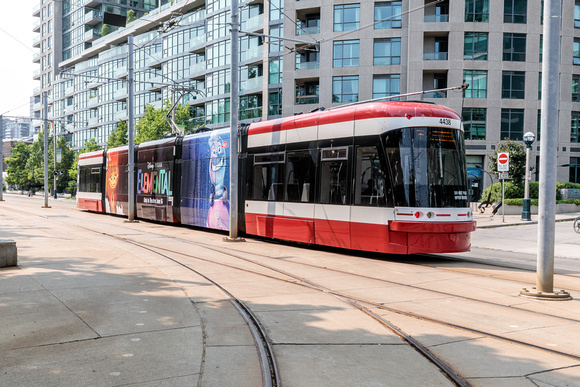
(184,46)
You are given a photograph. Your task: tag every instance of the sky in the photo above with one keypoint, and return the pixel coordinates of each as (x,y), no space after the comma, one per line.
(16,67)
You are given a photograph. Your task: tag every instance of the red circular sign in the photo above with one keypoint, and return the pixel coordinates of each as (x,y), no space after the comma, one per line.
(503,158)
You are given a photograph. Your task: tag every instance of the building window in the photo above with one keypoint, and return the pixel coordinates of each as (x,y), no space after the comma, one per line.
(387,51)
(346,53)
(477,80)
(513,85)
(250,106)
(539,126)
(345,89)
(386,86)
(475,46)
(388,15)
(307,58)
(346,17)
(474,123)
(512,124)
(514,47)
(539,86)
(574,169)
(275,71)
(577,14)
(575,127)
(576,52)
(575,88)
(276,9)
(514,11)
(275,103)
(477,11)
(307,93)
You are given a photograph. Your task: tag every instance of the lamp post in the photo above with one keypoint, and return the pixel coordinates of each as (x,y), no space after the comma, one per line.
(526,213)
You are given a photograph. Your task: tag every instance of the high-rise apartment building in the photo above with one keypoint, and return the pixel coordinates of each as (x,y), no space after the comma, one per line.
(334,53)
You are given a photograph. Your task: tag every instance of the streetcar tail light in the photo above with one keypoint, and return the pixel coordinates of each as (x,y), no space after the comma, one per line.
(417,214)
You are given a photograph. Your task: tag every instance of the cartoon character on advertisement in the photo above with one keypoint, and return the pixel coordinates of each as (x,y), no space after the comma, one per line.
(112,182)
(218,215)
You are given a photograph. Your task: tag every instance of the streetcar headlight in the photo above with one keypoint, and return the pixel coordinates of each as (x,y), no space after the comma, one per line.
(430,215)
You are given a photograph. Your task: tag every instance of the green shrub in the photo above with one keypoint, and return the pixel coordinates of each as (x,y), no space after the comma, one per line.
(515,192)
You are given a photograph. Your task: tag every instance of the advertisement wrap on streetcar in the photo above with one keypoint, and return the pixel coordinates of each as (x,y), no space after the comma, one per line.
(387,177)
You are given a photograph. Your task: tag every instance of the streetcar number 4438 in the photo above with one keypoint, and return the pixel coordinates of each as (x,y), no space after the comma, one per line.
(445,121)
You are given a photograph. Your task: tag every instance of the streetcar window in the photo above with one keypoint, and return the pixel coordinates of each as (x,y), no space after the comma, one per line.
(427,167)
(267,177)
(370,178)
(89,179)
(300,171)
(333,176)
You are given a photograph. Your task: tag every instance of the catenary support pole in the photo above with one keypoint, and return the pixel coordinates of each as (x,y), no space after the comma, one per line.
(45,116)
(55,179)
(131,129)
(1,157)
(234,104)
(548,160)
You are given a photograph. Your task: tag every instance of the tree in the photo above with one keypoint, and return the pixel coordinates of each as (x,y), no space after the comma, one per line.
(67,159)
(517,159)
(131,17)
(119,136)
(154,124)
(105,30)
(90,146)
(17,174)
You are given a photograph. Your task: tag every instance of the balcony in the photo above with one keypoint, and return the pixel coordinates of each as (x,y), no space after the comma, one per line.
(36,26)
(307,30)
(120,94)
(92,3)
(254,83)
(94,17)
(308,65)
(121,72)
(36,92)
(93,102)
(197,69)
(436,18)
(36,42)
(36,75)
(36,57)
(121,115)
(435,55)
(69,91)
(36,10)
(252,53)
(93,121)
(91,35)
(254,23)
(436,94)
(307,99)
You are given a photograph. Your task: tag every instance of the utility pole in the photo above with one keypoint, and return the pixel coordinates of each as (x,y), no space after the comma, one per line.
(548,148)
(54,156)
(131,129)
(234,104)
(1,158)
(45,114)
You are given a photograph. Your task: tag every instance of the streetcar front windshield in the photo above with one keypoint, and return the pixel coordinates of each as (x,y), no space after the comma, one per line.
(427,167)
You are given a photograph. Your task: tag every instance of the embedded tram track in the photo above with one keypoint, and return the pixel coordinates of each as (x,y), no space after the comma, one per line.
(355,302)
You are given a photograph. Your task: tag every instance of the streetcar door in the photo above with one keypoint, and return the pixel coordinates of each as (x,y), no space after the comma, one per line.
(332,212)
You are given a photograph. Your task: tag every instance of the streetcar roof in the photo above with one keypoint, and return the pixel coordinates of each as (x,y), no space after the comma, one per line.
(353,113)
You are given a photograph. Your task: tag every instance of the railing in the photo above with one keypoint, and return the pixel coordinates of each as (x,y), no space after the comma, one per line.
(307,99)
(253,83)
(436,18)
(436,94)
(307,30)
(112,53)
(252,53)
(197,69)
(435,55)
(253,23)
(308,65)
(251,113)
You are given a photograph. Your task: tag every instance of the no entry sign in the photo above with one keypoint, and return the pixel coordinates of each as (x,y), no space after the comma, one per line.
(503,162)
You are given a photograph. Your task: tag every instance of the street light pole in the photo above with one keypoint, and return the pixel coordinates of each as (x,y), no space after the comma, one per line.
(526,204)
(45,114)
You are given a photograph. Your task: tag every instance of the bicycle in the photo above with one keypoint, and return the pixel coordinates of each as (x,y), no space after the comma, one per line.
(577,225)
